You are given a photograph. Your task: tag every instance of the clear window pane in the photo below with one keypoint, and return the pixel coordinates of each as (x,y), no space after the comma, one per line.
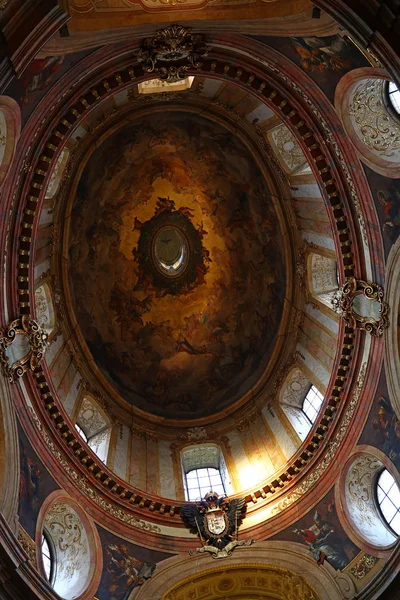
(394,96)
(81,432)
(46,558)
(199,482)
(388,495)
(312,403)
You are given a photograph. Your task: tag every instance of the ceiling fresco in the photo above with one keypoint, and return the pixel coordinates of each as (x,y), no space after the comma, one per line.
(324,59)
(176,265)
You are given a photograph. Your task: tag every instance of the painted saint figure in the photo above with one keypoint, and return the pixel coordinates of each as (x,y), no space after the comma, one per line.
(316,538)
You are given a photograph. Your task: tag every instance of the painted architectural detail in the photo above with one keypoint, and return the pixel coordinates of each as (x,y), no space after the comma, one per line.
(323,274)
(90,418)
(71,548)
(44,308)
(294,390)
(27,544)
(361,506)
(296,387)
(363,566)
(289,151)
(197,457)
(378,129)
(57,173)
(96,427)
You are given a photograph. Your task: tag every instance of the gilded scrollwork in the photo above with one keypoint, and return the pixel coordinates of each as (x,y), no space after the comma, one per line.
(363,566)
(172,52)
(69,538)
(22,347)
(27,543)
(379,130)
(361,305)
(360,485)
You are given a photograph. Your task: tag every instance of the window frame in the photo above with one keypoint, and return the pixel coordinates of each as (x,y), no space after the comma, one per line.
(378,503)
(199,487)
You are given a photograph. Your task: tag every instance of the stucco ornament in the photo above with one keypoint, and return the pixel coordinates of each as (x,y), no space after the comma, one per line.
(196,434)
(172,52)
(379,130)
(22,347)
(361,305)
(216,521)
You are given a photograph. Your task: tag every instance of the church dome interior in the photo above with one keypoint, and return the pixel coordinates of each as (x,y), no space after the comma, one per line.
(199,339)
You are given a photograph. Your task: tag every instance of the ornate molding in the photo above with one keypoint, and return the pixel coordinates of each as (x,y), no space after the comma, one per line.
(32,348)
(28,544)
(172,52)
(363,566)
(377,128)
(349,302)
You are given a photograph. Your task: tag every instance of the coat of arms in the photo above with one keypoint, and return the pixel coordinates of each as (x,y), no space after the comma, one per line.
(216,521)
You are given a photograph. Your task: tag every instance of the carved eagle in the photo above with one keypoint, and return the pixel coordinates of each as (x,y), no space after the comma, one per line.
(215,520)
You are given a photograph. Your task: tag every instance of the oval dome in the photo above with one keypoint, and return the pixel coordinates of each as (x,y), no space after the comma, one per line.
(176,265)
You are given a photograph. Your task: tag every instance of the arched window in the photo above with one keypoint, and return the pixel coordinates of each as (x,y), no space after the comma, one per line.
(69,548)
(388,496)
(204,469)
(48,559)
(312,403)
(370,498)
(94,426)
(199,482)
(394,96)
(300,401)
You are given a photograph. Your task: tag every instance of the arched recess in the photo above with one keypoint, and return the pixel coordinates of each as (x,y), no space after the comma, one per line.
(10,128)
(57,174)
(201,457)
(362,105)
(291,398)
(44,307)
(322,277)
(392,333)
(357,504)
(9,457)
(290,562)
(76,547)
(95,424)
